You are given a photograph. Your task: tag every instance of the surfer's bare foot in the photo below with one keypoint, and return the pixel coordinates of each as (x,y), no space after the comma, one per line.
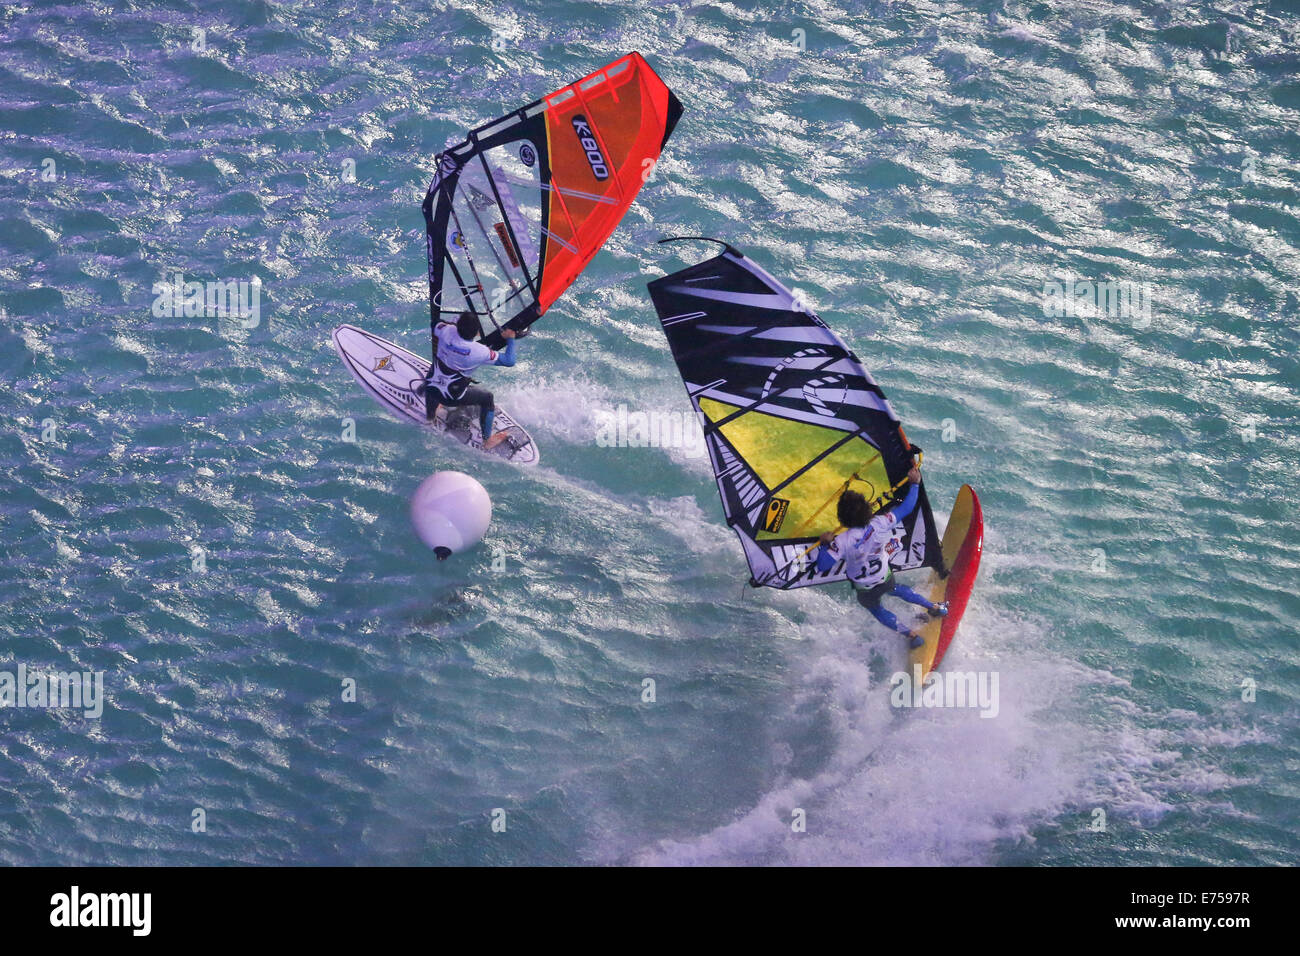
(495,440)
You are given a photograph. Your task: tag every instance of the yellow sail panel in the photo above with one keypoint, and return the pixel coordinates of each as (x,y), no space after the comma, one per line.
(776,448)
(814,494)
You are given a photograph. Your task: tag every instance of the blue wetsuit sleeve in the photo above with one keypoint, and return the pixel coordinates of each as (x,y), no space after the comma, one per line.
(507,358)
(904,508)
(825,560)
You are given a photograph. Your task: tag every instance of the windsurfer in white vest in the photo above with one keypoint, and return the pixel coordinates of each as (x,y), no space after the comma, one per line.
(449,383)
(866,545)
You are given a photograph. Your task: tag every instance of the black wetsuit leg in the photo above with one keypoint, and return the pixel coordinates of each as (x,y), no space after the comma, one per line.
(471,396)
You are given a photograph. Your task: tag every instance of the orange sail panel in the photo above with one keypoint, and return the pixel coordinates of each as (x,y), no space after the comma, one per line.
(605,134)
(517,211)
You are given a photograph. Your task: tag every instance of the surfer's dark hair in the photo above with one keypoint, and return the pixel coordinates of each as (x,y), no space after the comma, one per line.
(468,327)
(853,510)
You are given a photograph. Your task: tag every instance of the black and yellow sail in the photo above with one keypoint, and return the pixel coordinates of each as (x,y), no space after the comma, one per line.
(791,418)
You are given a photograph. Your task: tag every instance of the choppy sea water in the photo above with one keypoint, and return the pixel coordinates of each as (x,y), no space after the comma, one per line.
(922,171)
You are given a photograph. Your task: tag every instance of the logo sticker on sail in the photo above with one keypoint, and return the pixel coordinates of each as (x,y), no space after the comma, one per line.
(507,243)
(587,139)
(527,154)
(776,510)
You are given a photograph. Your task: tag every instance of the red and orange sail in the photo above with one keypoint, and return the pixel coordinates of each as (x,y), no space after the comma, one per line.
(517,211)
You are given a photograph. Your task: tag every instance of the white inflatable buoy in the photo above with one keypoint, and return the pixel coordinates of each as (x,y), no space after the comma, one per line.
(451,512)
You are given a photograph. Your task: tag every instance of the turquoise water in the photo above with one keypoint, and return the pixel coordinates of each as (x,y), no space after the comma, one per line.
(920,171)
